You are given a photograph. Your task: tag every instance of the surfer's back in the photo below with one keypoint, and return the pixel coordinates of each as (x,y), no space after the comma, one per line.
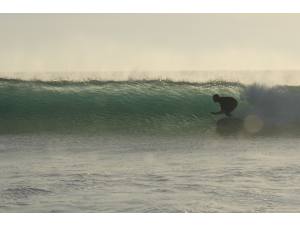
(228,103)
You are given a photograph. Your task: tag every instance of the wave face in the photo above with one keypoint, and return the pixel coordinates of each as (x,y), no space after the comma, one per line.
(138,106)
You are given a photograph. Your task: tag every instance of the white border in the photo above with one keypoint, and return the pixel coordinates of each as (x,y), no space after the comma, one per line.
(150,219)
(149,6)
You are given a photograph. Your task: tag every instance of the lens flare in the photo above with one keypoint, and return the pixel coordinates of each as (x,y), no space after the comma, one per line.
(253,124)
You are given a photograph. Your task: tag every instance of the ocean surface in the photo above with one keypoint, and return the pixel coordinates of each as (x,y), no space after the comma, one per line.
(147,146)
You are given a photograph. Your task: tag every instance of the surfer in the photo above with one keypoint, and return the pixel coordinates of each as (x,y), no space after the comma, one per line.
(227,104)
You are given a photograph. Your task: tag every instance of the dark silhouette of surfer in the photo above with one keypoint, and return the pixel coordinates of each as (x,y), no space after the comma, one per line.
(227,104)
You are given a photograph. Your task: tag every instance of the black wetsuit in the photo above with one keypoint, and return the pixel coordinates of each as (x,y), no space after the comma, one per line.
(227,104)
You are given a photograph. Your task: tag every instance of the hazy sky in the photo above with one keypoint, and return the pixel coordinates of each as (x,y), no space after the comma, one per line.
(93,42)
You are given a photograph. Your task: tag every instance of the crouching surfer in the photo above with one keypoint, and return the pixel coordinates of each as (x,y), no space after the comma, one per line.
(227,104)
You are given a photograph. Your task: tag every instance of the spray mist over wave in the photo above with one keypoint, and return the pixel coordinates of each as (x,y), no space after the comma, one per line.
(269,78)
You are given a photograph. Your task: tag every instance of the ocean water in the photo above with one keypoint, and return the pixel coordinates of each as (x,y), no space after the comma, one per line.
(147,146)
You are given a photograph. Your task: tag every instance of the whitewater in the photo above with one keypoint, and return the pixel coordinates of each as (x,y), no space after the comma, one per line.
(149,143)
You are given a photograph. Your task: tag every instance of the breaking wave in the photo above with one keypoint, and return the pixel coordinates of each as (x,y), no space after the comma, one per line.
(153,106)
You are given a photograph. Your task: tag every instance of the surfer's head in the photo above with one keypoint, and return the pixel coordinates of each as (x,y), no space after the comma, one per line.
(216,98)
